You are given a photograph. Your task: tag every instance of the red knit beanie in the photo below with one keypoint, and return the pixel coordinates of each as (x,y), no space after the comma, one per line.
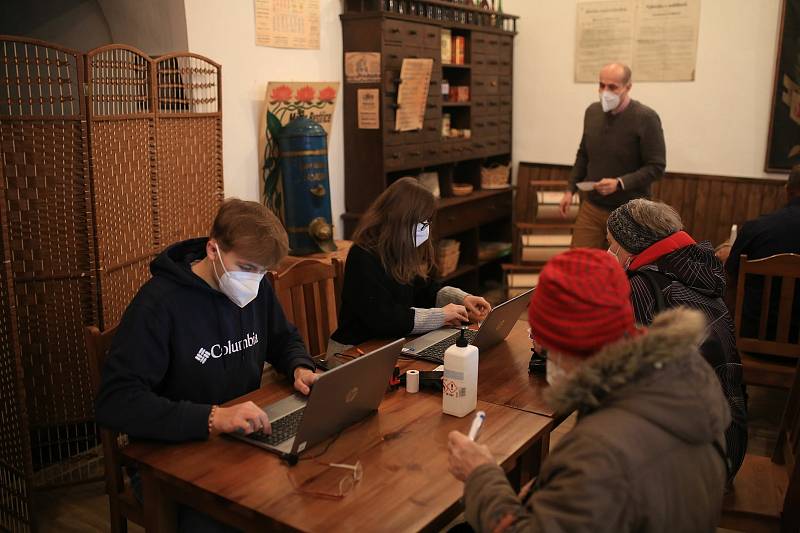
(582,303)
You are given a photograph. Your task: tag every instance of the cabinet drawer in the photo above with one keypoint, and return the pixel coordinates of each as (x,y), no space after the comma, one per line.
(393,55)
(461,217)
(504,66)
(492,146)
(432,130)
(403,156)
(485,84)
(484,43)
(480,106)
(484,64)
(399,31)
(505,104)
(481,127)
(505,47)
(504,85)
(432,39)
(431,153)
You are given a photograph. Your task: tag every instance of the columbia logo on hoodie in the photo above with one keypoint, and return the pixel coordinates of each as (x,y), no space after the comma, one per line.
(231,347)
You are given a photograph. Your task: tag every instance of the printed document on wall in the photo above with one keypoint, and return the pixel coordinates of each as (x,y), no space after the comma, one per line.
(665,40)
(604,34)
(656,38)
(287,23)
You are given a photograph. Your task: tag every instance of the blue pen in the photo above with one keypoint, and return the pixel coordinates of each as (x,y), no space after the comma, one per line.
(477,423)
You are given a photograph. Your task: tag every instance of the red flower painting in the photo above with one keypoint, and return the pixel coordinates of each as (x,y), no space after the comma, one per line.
(328,94)
(305,94)
(281,93)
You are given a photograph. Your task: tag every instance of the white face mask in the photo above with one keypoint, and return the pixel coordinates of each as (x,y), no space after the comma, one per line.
(555,373)
(422,232)
(628,261)
(240,287)
(609,100)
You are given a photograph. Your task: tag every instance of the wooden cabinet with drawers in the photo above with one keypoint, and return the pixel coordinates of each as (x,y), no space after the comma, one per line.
(374,158)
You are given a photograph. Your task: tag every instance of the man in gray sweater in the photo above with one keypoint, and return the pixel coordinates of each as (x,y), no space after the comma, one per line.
(622,152)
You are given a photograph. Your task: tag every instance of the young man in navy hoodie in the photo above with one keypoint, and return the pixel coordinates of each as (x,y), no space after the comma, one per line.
(197,335)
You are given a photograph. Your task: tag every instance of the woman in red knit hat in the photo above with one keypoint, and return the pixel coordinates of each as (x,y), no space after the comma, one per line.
(647,451)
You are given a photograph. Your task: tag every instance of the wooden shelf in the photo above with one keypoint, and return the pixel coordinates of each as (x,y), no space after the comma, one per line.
(458,272)
(376,158)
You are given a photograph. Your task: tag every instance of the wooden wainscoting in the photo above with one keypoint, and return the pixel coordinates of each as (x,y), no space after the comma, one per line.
(708,205)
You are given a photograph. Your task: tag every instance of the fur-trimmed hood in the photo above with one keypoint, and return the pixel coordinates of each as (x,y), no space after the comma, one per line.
(653,375)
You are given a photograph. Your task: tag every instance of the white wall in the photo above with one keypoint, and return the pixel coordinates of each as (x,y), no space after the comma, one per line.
(225,32)
(716,124)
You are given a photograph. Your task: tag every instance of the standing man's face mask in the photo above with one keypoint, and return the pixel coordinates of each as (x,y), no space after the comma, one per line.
(422,233)
(240,287)
(609,100)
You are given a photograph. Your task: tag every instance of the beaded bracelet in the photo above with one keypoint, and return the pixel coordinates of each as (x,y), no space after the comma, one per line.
(211,418)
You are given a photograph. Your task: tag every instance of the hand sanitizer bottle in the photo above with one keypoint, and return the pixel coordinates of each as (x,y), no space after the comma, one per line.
(460,381)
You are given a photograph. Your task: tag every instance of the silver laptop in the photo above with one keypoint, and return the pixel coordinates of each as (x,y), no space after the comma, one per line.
(493,330)
(339,398)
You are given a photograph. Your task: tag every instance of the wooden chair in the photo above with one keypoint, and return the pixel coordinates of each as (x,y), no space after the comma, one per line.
(785,267)
(766,491)
(310,293)
(123,505)
(538,232)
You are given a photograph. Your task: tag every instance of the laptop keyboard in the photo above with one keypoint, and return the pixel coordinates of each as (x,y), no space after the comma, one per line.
(282,429)
(435,352)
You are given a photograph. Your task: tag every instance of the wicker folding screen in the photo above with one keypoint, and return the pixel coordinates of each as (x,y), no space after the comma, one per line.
(48,231)
(106,158)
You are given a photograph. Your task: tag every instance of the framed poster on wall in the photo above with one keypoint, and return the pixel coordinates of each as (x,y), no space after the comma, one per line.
(783,143)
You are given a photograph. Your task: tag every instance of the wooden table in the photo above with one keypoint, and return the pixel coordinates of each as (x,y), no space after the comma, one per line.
(503,377)
(403,450)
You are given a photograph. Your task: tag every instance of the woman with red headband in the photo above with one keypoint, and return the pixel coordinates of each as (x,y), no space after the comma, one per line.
(668,269)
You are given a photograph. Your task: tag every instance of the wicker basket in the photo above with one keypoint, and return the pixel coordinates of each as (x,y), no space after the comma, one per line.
(447,252)
(495,176)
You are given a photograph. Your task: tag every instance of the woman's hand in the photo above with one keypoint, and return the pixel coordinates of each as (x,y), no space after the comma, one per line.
(243,418)
(477,308)
(455,315)
(466,456)
(304,379)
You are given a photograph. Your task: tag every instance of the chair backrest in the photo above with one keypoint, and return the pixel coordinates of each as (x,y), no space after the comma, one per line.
(528,196)
(310,293)
(97,346)
(785,267)
(787,452)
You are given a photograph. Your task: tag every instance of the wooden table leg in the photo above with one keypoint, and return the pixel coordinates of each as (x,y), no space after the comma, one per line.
(529,463)
(159,509)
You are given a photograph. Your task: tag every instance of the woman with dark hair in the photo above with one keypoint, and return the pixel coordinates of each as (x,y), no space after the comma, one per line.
(667,269)
(389,289)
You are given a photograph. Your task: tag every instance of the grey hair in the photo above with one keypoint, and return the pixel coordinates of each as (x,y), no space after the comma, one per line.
(659,217)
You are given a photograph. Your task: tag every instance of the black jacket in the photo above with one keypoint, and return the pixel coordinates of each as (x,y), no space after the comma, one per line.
(693,277)
(374,305)
(775,233)
(183,346)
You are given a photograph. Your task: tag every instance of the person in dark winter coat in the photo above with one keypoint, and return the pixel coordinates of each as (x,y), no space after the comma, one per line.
(647,450)
(668,269)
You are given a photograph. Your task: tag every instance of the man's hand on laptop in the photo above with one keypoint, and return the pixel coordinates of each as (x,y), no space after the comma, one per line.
(454,314)
(244,418)
(304,379)
(477,308)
